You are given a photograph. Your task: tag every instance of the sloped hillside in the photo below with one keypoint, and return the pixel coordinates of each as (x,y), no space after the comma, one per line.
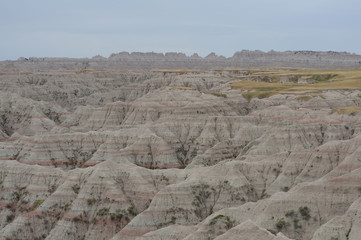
(266,154)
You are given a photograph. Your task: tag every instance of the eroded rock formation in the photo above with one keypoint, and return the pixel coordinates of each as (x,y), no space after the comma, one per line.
(172,60)
(175,155)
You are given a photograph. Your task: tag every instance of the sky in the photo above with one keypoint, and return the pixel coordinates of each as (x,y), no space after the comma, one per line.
(85,28)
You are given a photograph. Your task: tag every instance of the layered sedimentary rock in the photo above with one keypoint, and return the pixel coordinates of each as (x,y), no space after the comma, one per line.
(151,60)
(176,155)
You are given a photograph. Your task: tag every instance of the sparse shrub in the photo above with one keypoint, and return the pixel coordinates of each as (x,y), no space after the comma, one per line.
(91,201)
(294,79)
(173,219)
(323,77)
(37,203)
(76,188)
(164,178)
(117,216)
(103,212)
(131,210)
(305,212)
(290,213)
(76,219)
(281,224)
(214,220)
(294,216)
(66,206)
(206,197)
(53,162)
(229,223)
(295,223)
(277,171)
(15,156)
(10,218)
(19,194)
(52,188)
(264,194)
(348,233)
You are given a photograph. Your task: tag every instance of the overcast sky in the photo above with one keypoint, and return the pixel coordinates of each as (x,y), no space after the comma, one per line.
(85,28)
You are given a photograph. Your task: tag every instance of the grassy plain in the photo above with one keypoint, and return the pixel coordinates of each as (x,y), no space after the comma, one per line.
(324,80)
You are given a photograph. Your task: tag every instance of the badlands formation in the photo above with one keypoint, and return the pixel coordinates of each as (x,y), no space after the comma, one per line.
(116,149)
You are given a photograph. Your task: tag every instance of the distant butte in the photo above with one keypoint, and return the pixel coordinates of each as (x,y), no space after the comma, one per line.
(173,60)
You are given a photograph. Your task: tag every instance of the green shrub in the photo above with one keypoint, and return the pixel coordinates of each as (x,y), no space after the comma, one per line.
(290,213)
(228,223)
(91,201)
(76,188)
(305,212)
(76,219)
(116,217)
(37,203)
(131,210)
(281,224)
(103,212)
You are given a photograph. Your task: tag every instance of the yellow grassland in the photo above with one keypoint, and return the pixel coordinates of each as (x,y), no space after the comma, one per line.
(350,110)
(325,80)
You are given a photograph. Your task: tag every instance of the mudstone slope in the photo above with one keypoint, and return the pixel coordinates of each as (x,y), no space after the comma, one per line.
(176,155)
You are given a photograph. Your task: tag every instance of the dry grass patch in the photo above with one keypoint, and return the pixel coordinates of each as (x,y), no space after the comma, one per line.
(304,98)
(182,88)
(309,97)
(260,89)
(180,71)
(350,110)
(325,80)
(318,95)
(217,94)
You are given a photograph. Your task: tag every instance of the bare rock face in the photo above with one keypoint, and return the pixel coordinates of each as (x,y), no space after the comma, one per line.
(151,60)
(177,154)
